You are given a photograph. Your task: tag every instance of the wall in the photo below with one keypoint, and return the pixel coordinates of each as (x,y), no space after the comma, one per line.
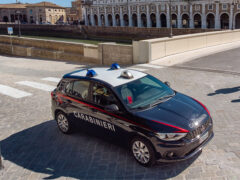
(105,53)
(47,49)
(116,34)
(111,52)
(153,49)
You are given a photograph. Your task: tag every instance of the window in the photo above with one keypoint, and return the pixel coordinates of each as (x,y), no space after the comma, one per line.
(80,89)
(173,8)
(210,7)
(143,92)
(224,6)
(102,96)
(197,7)
(69,88)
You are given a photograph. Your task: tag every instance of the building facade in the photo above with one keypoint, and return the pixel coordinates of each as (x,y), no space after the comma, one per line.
(74,13)
(219,14)
(39,13)
(8,12)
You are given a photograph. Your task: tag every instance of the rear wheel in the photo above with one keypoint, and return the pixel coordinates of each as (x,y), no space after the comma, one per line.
(64,123)
(143,151)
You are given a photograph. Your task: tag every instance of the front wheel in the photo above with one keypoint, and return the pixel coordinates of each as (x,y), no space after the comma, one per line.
(143,152)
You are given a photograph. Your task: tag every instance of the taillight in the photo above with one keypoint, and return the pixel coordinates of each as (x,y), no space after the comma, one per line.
(203,107)
(52,94)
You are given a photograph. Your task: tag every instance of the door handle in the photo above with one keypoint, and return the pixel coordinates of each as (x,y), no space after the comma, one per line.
(69,101)
(94,110)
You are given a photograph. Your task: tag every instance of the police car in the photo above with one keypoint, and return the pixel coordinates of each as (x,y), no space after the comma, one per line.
(159,123)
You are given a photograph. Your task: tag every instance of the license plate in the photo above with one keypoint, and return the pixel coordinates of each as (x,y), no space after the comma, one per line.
(203,138)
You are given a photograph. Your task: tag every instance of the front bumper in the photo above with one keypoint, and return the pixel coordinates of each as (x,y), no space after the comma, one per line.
(183,151)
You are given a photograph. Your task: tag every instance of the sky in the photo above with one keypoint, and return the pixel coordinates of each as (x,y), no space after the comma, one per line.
(64,3)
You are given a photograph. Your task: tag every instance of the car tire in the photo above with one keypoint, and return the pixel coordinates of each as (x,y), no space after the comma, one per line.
(142,151)
(63,122)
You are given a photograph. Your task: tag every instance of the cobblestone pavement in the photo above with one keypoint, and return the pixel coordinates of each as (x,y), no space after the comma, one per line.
(33,148)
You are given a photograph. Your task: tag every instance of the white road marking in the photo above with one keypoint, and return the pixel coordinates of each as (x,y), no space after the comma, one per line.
(12,92)
(35,85)
(150,65)
(52,79)
(137,69)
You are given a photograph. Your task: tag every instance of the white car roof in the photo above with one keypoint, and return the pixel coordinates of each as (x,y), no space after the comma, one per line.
(111,77)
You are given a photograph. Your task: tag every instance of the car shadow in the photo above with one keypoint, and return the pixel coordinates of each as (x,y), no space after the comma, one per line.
(44,149)
(225,91)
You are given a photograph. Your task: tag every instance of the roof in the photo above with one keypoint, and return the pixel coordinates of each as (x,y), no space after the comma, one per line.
(45,4)
(13,6)
(107,75)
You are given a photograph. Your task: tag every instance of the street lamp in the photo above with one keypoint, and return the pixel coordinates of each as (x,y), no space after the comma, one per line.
(170,11)
(19,28)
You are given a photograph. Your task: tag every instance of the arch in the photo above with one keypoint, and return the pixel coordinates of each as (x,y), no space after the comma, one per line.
(125,20)
(163,19)
(89,20)
(143,20)
(12,18)
(110,20)
(237,21)
(185,21)
(25,18)
(40,19)
(5,19)
(50,19)
(224,19)
(197,21)
(210,21)
(95,17)
(153,20)
(174,21)
(102,19)
(117,20)
(134,20)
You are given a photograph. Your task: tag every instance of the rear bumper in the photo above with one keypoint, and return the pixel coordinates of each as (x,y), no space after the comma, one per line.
(190,154)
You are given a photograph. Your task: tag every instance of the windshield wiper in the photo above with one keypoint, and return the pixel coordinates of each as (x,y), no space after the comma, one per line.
(141,107)
(162,99)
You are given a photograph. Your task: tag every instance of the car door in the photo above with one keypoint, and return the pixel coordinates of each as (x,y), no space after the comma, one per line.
(110,123)
(77,98)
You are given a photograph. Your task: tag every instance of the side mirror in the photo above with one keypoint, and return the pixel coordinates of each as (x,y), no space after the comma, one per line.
(167,83)
(112,108)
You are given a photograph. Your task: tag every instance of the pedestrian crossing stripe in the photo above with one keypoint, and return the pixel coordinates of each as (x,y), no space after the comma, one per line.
(36,85)
(51,79)
(12,92)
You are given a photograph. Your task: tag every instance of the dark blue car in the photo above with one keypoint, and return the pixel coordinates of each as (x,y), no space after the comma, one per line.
(158,123)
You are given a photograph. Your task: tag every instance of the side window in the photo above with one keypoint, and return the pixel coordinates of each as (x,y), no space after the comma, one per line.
(80,89)
(68,88)
(102,95)
(61,86)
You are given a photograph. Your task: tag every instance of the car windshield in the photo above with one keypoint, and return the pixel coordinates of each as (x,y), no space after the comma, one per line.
(144,92)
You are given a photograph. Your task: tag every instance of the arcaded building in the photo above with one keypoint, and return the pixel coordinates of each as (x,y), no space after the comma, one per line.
(38,13)
(219,14)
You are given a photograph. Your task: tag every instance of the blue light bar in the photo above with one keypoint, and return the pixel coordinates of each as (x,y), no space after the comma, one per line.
(91,73)
(115,66)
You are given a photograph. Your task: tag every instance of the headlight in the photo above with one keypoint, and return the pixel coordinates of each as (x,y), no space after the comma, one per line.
(170,136)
